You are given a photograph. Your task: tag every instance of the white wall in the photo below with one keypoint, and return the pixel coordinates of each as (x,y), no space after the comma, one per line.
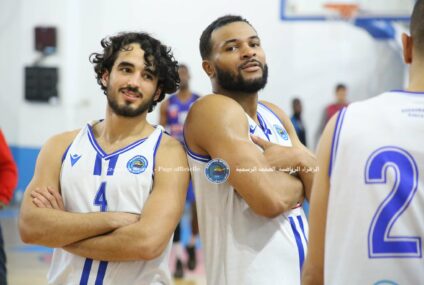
(305,59)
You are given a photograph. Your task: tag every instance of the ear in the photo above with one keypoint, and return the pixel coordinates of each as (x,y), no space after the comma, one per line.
(105,78)
(157,93)
(208,68)
(407,48)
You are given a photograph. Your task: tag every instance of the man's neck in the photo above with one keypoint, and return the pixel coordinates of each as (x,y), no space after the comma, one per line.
(248,101)
(118,128)
(416,72)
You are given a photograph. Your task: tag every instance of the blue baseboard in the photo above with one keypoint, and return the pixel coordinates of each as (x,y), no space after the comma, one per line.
(25,158)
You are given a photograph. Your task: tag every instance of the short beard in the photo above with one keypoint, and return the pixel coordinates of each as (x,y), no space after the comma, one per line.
(126,110)
(237,83)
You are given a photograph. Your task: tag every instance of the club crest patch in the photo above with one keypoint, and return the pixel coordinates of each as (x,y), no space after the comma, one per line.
(281,132)
(217,171)
(137,164)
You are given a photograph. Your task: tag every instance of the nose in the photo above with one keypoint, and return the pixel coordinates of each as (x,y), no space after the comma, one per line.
(248,51)
(134,80)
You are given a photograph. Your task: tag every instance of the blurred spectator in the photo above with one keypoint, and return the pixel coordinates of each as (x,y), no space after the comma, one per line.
(330,110)
(297,122)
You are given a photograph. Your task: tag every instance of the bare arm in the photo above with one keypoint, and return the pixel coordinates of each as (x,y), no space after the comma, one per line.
(52,227)
(299,156)
(147,238)
(217,126)
(313,271)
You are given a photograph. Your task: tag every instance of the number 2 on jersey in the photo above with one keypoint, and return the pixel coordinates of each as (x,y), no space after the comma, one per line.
(381,243)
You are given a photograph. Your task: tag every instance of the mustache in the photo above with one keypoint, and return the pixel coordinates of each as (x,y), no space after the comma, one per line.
(131,89)
(241,66)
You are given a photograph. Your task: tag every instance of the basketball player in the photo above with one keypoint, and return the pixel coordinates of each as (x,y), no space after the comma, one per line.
(367,202)
(173,113)
(251,224)
(121,199)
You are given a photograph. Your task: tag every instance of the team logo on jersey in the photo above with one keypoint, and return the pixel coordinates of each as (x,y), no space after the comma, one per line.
(217,171)
(137,164)
(282,132)
(74,158)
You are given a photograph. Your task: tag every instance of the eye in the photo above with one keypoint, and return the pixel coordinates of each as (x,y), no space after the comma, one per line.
(125,69)
(230,48)
(255,44)
(147,76)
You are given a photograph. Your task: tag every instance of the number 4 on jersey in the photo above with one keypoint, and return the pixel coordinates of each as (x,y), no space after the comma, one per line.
(100,199)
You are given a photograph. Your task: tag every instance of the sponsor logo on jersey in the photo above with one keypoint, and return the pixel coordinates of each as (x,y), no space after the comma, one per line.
(217,171)
(252,129)
(137,164)
(282,132)
(74,158)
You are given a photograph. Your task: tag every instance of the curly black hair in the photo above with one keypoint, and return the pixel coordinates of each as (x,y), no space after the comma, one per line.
(155,54)
(205,46)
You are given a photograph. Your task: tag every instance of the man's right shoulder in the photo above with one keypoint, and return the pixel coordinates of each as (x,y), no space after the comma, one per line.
(62,140)
(215,104)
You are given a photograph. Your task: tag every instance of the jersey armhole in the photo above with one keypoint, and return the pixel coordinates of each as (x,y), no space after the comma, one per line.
(336,138)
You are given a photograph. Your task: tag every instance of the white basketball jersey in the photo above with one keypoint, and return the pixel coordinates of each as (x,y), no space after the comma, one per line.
(242,247)
(375,221)
(93,181)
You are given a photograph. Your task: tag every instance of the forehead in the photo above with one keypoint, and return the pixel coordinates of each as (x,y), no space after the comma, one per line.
(131,53)
(240,31)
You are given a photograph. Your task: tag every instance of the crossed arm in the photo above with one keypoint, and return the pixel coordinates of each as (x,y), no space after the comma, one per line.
(313,270)
(147,238)
(297,156)
(111,236)
(227,137)
(51,227)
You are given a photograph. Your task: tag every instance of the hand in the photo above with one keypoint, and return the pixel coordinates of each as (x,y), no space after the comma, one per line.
(47,197)
(280,157)
(123,219)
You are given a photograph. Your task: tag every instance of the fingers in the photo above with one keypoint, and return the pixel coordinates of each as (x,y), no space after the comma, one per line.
(47,198)
(58,198)
(39,200)
(261,142)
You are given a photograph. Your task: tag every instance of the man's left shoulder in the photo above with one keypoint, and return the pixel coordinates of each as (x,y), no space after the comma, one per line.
(275,109)
(170,144)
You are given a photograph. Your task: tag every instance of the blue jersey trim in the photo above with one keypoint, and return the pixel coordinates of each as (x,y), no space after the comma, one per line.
(272,112)
(408,92)
(66,152)
(86,271)
(299,219)
(299,243)
(192,154)
(155,150)
(101,273)
(335,140)
(104,154)
(112,164)
(263,126)
(98,165)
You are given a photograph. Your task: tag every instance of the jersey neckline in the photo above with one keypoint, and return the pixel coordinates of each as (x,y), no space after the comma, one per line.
(105,155)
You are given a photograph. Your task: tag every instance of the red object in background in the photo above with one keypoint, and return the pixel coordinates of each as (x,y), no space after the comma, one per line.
(8,172)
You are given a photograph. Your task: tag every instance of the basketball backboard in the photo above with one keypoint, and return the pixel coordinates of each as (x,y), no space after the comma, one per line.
(322,10)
